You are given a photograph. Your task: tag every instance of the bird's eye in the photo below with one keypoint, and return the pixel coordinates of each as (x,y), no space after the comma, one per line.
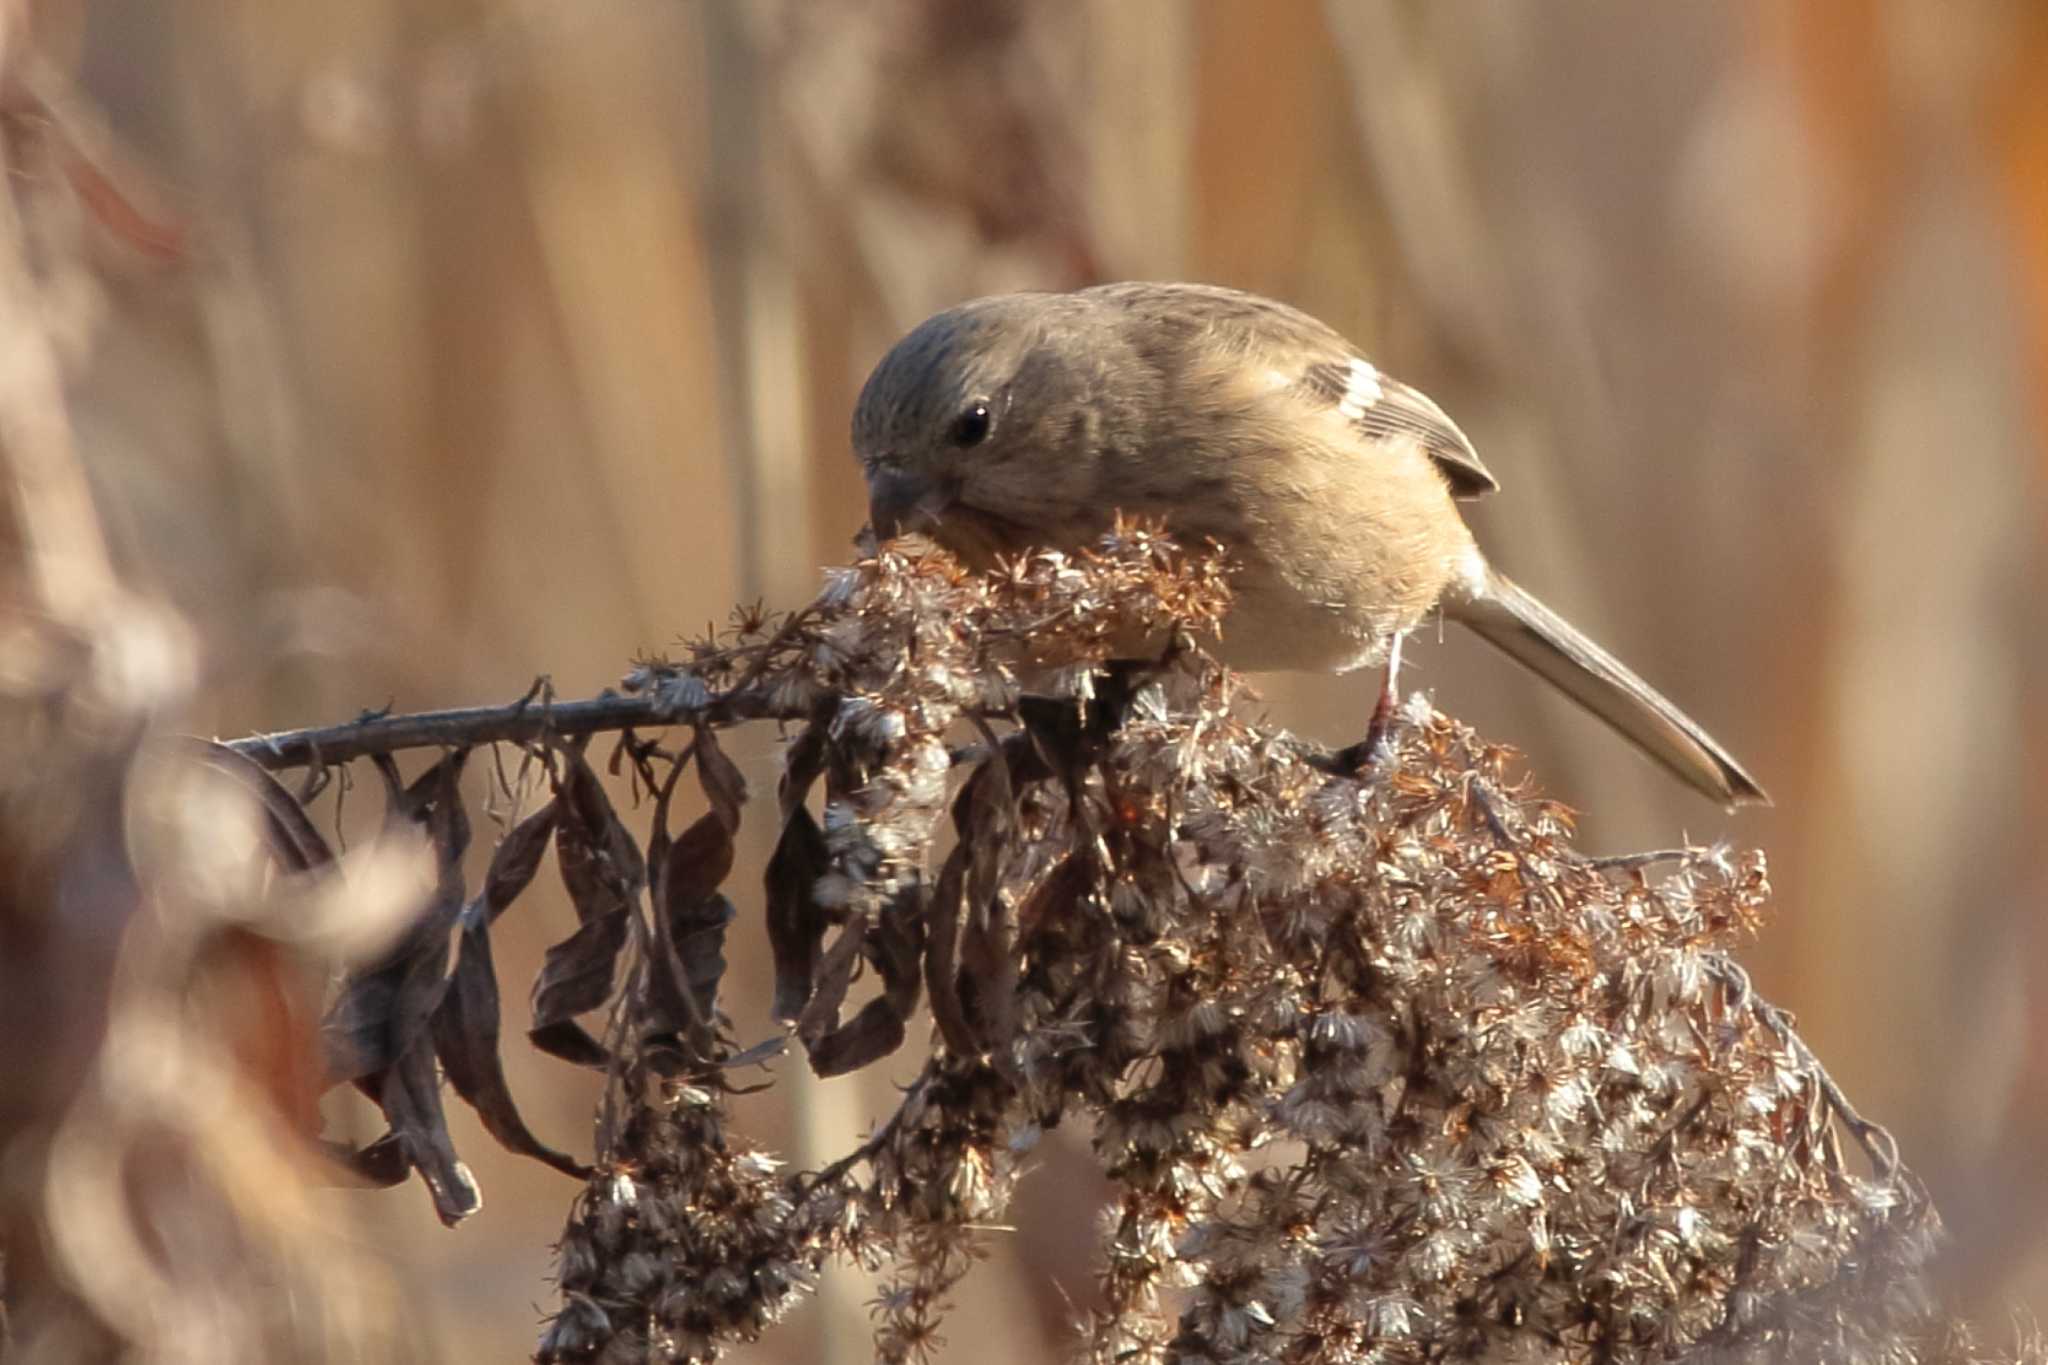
(971,427)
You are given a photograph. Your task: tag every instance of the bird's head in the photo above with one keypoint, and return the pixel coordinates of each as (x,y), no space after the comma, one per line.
(981,427)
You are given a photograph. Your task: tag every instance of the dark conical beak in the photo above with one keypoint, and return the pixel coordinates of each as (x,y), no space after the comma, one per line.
(899,503)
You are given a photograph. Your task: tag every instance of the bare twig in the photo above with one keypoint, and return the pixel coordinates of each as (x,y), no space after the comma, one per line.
(1634,862)
(518,722)
(1874,1138)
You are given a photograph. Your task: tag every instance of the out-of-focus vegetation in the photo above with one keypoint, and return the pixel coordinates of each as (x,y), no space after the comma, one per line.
(407,350)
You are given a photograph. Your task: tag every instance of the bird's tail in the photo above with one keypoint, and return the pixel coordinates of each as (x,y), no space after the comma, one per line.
(1539,639)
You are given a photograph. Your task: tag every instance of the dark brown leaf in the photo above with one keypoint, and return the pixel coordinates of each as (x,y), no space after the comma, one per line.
(571,1042)
(658,840)
(1055,726)
(577,977)
(416,802)
(700,939)
(381,1165)
(796,921)
(601,864)
(1066,739)
(697,863)
(411,1100)
(895,944)
(983,814)
(433,792)
(873,1034)
(692,949)
(592,893)
(466,1038)
(942,961)
(394,787)
(517,858)
(1052,902)
(690,933)
(835,976)
(384,1009)
(989,956)
(724,787)
(801,765)
(440,800)
(603,871)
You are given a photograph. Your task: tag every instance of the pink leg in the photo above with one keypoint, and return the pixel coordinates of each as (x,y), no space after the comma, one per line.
(1363,755)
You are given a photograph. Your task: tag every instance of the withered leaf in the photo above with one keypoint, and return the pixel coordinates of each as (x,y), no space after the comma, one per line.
(989,957)
(603,880)
(690,931)
(601,864)
(517,858)
(418,801)
(835,976)
(1020,755)
(895,943)
(382,1009)
(697,863)
(724,787)
(1057,731)
(693,957)
(381,1165)
(411,1101)
(395,808)
(289,831)
(577,976)
(796,921)
(658,837)
(700,938)
(570,1041)
(466,1038)
(802,763)
(982,814)
(439,796)
(385,1008)
(874,1033)
(1052,902)
(942,961)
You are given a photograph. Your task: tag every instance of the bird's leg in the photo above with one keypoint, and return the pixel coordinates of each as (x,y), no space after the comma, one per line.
(1379,731)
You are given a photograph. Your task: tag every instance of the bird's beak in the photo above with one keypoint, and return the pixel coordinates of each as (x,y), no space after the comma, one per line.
(899,503)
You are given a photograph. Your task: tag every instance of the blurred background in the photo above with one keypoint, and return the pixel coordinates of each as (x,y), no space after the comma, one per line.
(414,349)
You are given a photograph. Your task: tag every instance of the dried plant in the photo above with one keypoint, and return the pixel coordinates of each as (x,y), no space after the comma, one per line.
(1381,1066)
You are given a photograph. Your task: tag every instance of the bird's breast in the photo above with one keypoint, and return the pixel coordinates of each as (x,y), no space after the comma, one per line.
(1339,546)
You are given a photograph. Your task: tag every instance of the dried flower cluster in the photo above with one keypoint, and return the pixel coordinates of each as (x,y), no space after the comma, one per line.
(1383,1068)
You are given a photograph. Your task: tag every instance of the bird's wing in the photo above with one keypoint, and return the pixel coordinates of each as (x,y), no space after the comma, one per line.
(1381,406)
(1267,332)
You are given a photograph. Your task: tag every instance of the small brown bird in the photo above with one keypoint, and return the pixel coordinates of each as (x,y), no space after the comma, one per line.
(1029,420)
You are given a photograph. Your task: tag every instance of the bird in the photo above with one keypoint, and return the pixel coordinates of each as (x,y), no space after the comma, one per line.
(1032,420)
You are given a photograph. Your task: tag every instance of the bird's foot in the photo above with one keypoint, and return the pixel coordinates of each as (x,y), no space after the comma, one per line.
(1378,744)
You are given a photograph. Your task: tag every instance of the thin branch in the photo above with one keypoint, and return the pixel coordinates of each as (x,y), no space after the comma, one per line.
(519,722)
(1635,862)
(1874,1138)
(673,699)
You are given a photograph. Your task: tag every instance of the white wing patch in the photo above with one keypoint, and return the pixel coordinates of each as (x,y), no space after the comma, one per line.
(1361,389)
